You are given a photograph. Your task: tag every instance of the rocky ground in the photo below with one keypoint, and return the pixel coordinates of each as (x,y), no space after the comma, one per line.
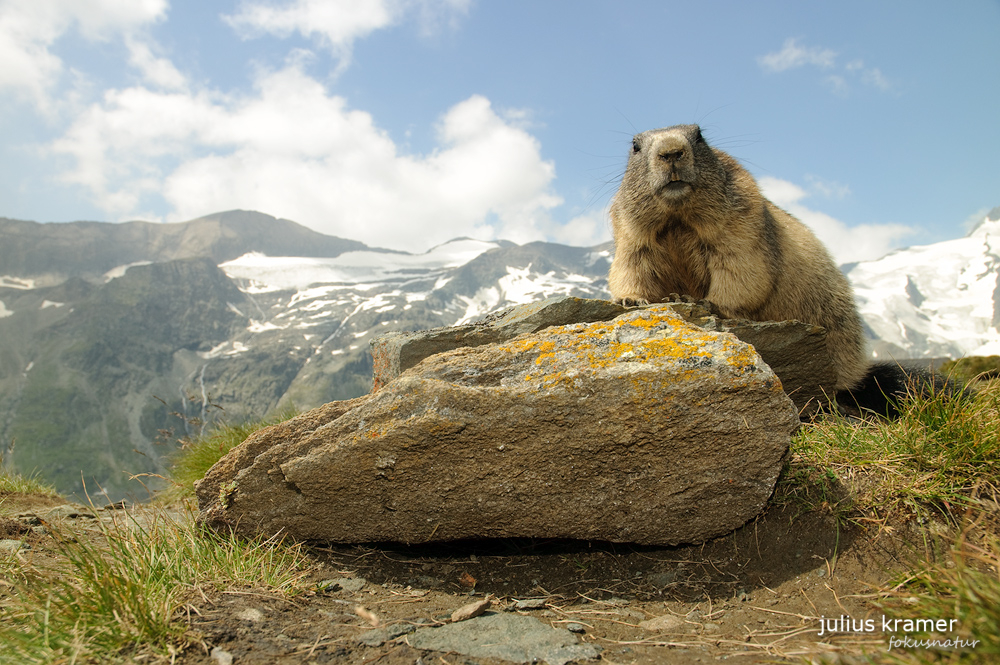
(755,595)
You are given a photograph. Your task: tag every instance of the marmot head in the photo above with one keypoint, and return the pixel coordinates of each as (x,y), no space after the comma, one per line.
(667,166)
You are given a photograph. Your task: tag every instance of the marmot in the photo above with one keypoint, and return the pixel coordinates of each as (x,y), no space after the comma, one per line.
(689,220)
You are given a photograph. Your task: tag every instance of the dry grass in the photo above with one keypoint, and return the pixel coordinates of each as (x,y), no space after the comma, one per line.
(197,456)
(123,592)
(934,460)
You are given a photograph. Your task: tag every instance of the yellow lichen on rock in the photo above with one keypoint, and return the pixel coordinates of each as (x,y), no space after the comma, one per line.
(654,335)
(642,429)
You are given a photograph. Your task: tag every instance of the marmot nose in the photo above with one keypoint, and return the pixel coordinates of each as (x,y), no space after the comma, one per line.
(672,148)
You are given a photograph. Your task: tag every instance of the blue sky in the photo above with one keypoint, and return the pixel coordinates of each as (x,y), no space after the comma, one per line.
(404,123)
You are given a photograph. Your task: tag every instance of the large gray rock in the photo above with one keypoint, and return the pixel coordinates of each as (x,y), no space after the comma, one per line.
(395,352)
(643,429)
(796,351)
(512,637)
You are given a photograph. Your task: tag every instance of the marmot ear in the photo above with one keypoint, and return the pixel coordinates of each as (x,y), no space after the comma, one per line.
(636,146)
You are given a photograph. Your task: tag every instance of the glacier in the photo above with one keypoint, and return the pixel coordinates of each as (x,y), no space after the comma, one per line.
(938,300)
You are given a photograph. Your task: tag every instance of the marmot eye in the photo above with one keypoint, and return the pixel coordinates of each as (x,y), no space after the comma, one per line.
(635,145)
(698,138)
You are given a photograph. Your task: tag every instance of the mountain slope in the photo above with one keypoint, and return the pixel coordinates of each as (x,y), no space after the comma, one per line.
(299,308)
(51,253)
(98,354)
(934,300)
(100,377)
(92,369)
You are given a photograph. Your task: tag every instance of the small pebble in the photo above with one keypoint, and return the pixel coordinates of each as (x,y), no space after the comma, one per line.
(352,584)
(13,546)
(349,584)
(69,512)
(471,610)
(251,614)
(222,657)
(666,623)
(578,628)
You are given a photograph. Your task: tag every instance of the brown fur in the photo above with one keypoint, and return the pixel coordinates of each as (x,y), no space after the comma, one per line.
(689,220)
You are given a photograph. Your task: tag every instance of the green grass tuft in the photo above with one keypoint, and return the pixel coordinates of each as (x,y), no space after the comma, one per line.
(196,457)
(14,483)
(127,598)
(975,368)
(967,589)
(934,456)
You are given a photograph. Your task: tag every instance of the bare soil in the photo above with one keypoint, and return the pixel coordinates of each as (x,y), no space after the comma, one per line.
(756,594)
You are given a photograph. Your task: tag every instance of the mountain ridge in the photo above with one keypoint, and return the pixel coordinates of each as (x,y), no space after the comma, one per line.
(137,346)
(50,253)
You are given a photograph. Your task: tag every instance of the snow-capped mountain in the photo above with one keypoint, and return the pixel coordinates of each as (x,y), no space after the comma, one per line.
(325,311)
(107,331)
(98,356)
(939,300)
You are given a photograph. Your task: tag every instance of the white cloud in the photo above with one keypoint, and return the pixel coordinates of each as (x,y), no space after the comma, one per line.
(975,219)
(875,78)
(293,150)
(28,31)
(847,244)
(336,24)
(584,230)
(155,70)
(830,189)
(792,55)
(838,85)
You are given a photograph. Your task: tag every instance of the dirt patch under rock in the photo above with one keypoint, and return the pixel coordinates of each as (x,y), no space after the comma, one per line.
(757,593)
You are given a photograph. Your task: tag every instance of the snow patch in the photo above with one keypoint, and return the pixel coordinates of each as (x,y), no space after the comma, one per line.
(517,287)
(594,257)
(24,283)
(120,271)
(272,273)
(4,312)
(317,305)
(228,348)
(49,303)
(263,326)
(379,300)
(934,300)
(309,294)
(253,287)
